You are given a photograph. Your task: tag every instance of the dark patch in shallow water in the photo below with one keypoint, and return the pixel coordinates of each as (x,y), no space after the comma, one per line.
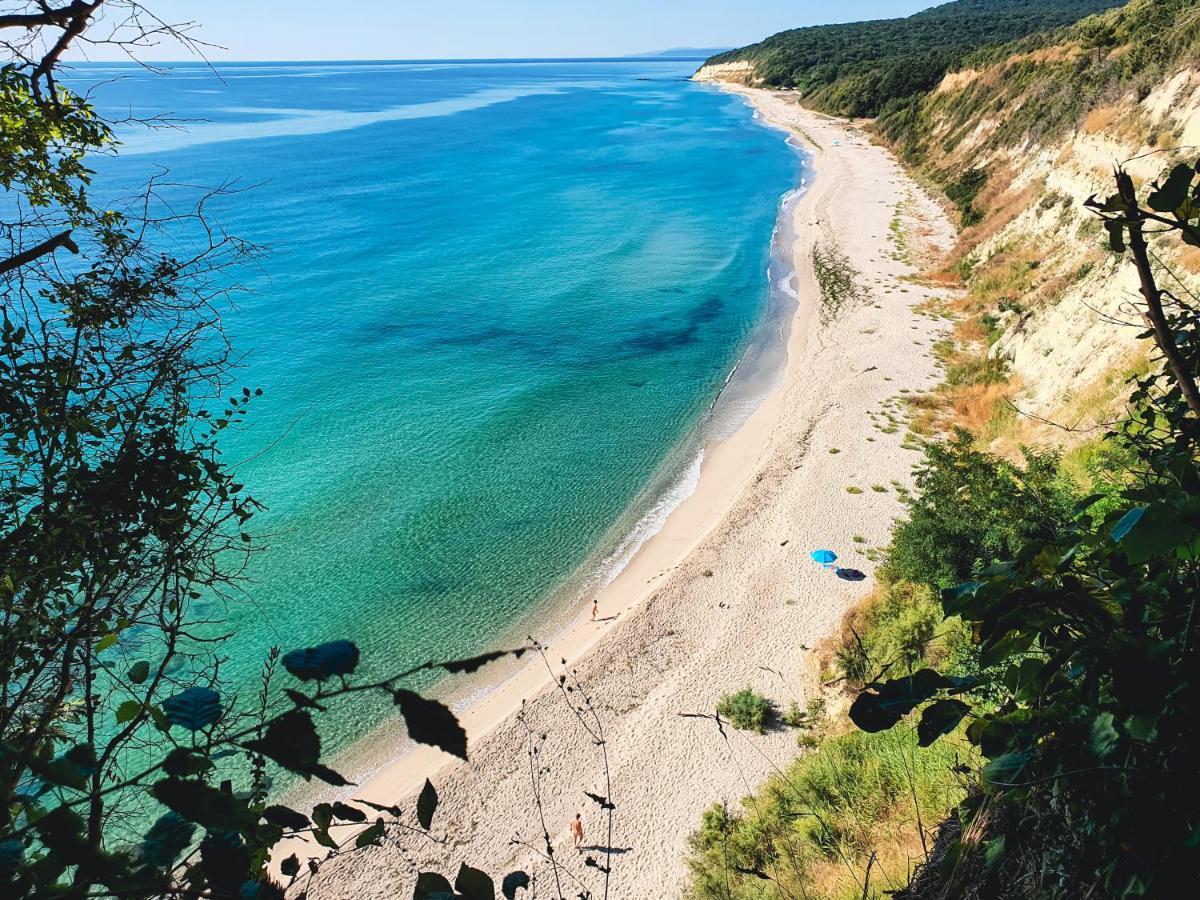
(666,339)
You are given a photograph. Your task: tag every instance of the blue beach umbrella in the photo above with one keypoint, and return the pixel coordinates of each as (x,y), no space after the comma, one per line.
(824,557)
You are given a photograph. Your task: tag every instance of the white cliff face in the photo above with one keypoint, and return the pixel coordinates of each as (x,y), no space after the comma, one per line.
(734,73)
(1074,328)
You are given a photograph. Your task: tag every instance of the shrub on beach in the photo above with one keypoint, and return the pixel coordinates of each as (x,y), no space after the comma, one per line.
(890,629)
(746,710)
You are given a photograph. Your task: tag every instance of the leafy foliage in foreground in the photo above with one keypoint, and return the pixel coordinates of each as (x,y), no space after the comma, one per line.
(126,769)
(212,840)
(1085,698)
(859,68)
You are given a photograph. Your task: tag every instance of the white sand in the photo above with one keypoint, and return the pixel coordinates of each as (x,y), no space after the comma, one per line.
(725,596)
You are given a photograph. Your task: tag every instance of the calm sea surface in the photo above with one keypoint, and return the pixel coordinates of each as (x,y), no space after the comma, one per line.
(500,300)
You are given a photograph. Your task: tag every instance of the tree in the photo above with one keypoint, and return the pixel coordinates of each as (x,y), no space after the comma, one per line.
(124,769)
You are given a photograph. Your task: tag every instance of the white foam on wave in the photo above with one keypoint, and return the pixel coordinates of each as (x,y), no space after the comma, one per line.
(651,523)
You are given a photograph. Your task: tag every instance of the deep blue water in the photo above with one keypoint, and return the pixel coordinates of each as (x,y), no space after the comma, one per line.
(498,300)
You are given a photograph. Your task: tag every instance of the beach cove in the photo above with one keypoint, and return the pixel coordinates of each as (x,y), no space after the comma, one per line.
(722,597)
(497,302)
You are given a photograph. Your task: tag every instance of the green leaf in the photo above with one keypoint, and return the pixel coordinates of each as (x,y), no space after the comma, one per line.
(167,838)
(286,817)
(139,671)
(427,804)
(883,705)
(1116,236)
(994,852)
(292,741)
(431,722)
(322,815)
(513,882)
(1193,840)
(348,813)
(370,835)
(203,804)
(1155,530)
(432,886)
(184,763)
(1142,727)
(290,866)
(61,832)
(323,661)
(324,838)
(998,649)
(105,642)
(127,711)
(1173,193)
(1127,522)
(473,884)
(193,709)
(1104,735)
(225,859)
(940,718)
(990,736)
(961,599)
(72,769)
(1004,771)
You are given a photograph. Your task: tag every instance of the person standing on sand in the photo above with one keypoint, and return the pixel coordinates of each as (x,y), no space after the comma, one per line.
(577,830)
(595,607)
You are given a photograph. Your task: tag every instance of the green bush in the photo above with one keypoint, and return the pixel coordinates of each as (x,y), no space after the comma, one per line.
(746,710)
(1086,695)
(793,716)
(971,509)
(809,716)
(891,629)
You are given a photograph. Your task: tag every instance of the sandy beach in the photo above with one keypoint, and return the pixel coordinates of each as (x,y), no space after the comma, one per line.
(723,597)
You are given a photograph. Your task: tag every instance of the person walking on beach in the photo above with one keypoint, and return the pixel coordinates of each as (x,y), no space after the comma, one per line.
(595,607)
(577,830)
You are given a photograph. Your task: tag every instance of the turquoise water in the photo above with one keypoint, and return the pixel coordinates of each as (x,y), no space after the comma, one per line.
(499,300)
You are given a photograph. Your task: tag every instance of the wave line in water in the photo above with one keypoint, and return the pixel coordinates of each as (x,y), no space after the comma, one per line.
(321,121)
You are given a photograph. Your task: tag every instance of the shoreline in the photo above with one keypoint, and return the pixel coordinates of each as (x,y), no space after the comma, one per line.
(571,633)
(720,597)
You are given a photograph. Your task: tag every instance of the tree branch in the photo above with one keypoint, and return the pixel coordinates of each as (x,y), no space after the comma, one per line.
(48,16)
(73,27)
(1163,335)
(63,239)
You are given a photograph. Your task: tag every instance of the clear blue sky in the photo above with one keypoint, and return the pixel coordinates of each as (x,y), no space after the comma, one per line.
(404,29)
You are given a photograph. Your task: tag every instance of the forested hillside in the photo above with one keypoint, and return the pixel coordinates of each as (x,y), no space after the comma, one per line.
(858,68)
(1039,88)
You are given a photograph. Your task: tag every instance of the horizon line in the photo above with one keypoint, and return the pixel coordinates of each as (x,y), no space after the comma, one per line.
(635,57)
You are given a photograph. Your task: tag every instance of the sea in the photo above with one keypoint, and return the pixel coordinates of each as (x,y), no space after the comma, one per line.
(502,307)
